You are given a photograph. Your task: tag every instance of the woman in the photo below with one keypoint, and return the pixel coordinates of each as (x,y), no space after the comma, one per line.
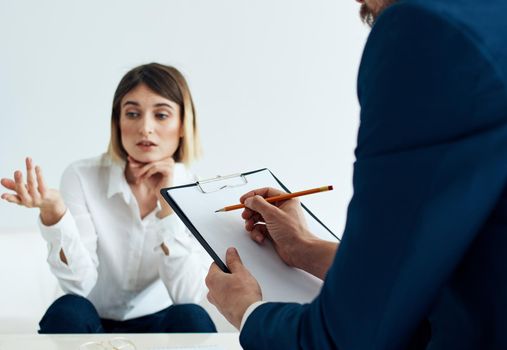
(126,262)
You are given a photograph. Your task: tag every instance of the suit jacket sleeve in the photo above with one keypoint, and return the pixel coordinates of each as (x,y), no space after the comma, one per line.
(430,167)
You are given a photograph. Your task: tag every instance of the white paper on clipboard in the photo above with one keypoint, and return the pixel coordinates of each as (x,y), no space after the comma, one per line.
(195,204)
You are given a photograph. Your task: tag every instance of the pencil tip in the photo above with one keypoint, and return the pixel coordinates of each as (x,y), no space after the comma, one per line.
(219,210)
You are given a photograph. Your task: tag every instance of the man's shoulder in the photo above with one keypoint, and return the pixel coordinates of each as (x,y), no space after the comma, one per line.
(481,21)
(441,65)
(481,24)
(461,12)
(467,14)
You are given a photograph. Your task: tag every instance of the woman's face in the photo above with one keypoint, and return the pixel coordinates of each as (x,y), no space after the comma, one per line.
(150,125)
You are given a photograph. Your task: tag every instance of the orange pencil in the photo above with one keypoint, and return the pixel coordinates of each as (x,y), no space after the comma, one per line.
(280,197)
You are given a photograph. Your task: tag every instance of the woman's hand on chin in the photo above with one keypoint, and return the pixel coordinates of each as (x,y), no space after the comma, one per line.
(156,175)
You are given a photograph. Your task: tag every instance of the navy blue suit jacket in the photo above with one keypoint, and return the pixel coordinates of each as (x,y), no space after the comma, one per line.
(423,261)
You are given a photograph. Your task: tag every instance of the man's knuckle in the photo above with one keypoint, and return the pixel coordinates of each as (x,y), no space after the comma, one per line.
(209,280)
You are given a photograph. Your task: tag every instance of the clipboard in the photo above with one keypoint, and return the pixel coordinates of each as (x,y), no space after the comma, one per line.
(195,205)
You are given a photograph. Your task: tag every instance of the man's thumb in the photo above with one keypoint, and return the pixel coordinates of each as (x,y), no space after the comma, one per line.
(233,260)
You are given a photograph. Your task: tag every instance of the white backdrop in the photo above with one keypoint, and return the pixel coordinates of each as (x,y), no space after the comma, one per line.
(274,82)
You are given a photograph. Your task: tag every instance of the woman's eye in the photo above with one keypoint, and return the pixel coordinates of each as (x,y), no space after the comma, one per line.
(132,114)
(162,116)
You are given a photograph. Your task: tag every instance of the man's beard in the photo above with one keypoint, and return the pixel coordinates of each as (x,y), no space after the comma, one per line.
(368,16)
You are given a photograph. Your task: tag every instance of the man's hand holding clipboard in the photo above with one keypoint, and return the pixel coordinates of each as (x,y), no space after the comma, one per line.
(282,222)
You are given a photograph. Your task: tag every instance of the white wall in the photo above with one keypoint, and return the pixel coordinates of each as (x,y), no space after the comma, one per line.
(273,82)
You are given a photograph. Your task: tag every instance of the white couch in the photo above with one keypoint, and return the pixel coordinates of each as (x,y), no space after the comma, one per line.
(27,286)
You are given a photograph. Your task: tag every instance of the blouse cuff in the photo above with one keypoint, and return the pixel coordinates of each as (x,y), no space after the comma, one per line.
(59,236)
(63,229)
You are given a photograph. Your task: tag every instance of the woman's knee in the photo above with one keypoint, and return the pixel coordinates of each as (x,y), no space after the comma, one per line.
(70,314)
(190,318)
(189,309)
(71,301)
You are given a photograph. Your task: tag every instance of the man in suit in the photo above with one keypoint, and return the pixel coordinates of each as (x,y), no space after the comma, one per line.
(422,263)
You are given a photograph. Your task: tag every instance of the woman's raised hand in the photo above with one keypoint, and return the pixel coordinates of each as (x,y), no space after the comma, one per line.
(35,194)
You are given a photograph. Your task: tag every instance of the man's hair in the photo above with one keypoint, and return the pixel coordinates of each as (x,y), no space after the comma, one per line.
(169,83)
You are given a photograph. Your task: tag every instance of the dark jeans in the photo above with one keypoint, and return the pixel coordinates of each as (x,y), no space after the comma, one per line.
(75,314)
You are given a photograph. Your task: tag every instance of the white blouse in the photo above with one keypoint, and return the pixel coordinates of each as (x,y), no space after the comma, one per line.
(113,256)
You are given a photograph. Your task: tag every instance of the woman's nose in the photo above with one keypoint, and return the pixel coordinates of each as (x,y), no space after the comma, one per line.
(146,127)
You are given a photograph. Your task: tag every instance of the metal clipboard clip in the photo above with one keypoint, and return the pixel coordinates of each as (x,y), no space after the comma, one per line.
(220,182)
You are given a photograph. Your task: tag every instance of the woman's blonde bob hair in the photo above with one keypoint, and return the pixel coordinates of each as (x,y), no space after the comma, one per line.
(169,83)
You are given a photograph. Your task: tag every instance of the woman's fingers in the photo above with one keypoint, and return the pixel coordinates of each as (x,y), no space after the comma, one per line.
(41,184)
(12,198)
(29,193)
(9,184)
(155,168)
(139,173)
(146,171)
(134,163)
(21,188)
(135,169)
(152,171)
(30,180)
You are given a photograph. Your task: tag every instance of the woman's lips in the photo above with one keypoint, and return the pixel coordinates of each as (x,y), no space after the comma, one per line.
(146,145)
(146,148)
